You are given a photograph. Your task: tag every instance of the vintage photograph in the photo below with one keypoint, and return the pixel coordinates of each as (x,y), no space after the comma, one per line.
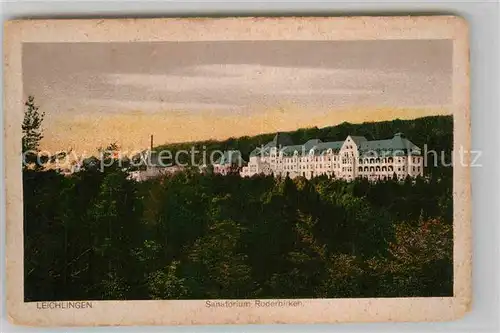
(241,173)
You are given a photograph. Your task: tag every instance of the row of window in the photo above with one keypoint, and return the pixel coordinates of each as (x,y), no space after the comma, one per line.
(252,168)
(350,169)
(307,159)
(389,168)
(310,166)
(345,160)
(371,169)
(382,177)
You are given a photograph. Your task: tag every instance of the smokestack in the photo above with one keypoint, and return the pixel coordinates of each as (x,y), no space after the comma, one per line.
(151,142)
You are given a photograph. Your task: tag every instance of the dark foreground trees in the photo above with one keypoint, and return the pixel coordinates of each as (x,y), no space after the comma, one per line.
(98,235)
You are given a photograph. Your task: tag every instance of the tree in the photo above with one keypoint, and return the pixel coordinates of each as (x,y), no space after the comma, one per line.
(95,234)
(420,260)
(112,223)
(216,268)
(165,284)
(32,133)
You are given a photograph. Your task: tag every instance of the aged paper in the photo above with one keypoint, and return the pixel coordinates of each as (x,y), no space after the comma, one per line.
(41,37)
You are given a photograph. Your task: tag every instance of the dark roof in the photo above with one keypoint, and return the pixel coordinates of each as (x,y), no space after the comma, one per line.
(333,145)
(316,145)
(397,145)
(311,144)
(290,150)
(358,139)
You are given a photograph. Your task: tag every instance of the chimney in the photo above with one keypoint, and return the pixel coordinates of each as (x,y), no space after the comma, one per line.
(151,148)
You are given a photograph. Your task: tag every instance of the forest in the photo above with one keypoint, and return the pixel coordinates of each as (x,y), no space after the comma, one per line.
(97,235)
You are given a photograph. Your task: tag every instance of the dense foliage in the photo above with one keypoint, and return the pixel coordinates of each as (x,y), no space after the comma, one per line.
(98,235)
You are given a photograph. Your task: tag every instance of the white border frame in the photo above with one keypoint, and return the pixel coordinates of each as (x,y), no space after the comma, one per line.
(483,20)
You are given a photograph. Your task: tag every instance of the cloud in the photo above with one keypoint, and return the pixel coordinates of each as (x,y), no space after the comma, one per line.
(255,78)
(153,106)
(194,90)
(111,106)
(236,87)
(249,85)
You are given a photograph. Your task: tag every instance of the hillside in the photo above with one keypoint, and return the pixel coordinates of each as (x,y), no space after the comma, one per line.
(435,131)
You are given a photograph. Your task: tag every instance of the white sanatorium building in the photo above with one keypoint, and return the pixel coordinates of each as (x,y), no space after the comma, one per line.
(354,157)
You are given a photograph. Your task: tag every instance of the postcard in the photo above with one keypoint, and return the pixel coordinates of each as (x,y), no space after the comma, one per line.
(194,171)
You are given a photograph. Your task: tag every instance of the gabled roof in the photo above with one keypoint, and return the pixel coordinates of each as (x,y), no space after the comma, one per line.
(290,150)
(358,139)
(333,145)
(316,145)
(279,141)
(311,144)
(397,145)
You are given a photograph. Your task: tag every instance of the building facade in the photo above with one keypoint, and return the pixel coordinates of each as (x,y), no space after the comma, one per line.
(153,172)
(349,159)
(152,166)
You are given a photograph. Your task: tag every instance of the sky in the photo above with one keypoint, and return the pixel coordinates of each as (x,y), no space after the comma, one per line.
(97,93)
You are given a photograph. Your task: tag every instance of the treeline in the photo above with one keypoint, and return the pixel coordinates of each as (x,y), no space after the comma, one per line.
(97,235)
(433,131)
